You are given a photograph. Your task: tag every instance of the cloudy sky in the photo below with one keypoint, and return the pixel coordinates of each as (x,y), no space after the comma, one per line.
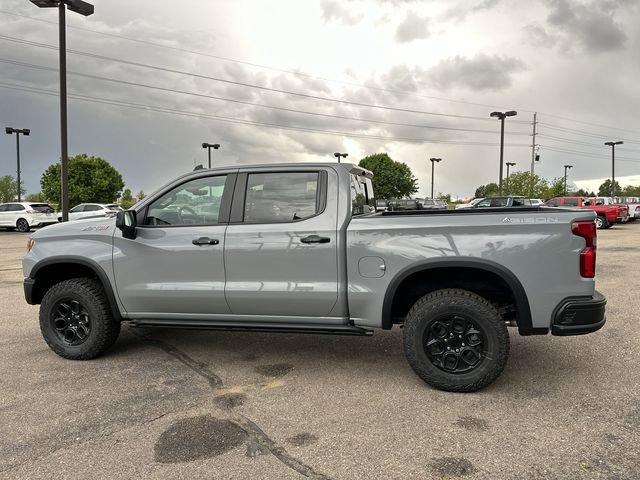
(295,81)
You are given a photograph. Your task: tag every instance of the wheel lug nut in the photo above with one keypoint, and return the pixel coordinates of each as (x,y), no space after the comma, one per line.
(457,350)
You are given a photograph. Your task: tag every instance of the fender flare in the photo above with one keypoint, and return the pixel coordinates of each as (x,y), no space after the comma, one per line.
(525,326)
(85,262)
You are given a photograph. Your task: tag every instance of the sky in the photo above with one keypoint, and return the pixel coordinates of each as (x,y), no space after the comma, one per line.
(296,81)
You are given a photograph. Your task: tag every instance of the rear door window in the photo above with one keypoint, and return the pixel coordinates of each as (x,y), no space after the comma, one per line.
(281,197)
(41,207)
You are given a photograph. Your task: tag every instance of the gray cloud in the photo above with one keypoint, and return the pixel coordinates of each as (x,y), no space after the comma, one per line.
(590,25)
(463,10)
(482,72)
(334,10)
(538,36)
(413,27)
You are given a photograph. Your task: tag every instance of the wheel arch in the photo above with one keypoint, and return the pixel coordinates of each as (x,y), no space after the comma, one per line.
(481,267)
(52,270)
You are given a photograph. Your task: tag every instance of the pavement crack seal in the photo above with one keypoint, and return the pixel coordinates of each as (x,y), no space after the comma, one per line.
(255,434)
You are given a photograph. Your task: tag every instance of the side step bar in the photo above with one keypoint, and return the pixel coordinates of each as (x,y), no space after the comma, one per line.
(252,326)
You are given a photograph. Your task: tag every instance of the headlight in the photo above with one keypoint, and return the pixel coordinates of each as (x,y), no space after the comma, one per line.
(30,243)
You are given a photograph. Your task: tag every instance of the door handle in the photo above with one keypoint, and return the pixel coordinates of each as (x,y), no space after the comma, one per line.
(205,241)
(315,239)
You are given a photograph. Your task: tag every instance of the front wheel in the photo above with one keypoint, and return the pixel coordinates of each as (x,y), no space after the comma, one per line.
(455,340)
(76,320)
(22,225)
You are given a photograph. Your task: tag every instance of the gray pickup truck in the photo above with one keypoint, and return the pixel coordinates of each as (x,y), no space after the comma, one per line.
(296,248)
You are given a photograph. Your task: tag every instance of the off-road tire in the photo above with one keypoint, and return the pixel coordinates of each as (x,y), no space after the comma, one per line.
(456,302)
(104,329)
(22,225)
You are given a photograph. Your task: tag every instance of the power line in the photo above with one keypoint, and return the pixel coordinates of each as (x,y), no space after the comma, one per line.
(160,109)
(576,142)
(257,65)
(244,84)
(244,102)
(598,125)
(587,154)
(573,131)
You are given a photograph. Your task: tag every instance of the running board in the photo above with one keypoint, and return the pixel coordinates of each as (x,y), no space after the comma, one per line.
(253,326)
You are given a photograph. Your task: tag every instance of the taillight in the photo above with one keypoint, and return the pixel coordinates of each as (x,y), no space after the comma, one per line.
(586,230)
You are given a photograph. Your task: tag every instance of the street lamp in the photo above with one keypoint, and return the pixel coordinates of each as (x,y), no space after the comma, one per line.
(566,167)
(501,116)
(209,146)
(338,155)
(86,9)
(613,165)
(433,163)
(18,131)
(509,164)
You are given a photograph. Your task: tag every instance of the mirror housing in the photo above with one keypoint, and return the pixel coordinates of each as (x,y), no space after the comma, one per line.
(127,222)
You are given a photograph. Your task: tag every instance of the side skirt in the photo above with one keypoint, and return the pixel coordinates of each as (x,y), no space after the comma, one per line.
(252,326)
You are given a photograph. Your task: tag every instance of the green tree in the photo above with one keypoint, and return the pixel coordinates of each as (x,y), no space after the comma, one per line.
(556,188)
(35,197)
(390,179)
(9,189)
(631,191)
(126,200)
(604,190)
(141,195)
(488,190)
(521,183)
(91,179)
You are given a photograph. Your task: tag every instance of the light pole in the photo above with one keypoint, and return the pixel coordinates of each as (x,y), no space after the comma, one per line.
(86,9)
(502,116)
(209,146)
(613,165)
(566,167)
(18,131)
(338,155)
(509,164)
(433,163)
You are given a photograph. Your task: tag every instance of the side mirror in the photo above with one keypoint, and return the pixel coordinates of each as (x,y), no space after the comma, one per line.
(127,222)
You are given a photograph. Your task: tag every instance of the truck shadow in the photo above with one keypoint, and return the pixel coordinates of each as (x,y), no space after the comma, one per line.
(537,368)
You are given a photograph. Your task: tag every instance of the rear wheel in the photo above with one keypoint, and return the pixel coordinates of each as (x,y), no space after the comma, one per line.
(76,321)
(455,340)
(22,225)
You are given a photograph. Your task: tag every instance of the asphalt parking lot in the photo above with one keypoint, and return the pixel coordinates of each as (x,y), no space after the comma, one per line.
(185,404)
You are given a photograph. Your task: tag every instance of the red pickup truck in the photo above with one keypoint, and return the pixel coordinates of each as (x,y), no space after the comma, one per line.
(607,215)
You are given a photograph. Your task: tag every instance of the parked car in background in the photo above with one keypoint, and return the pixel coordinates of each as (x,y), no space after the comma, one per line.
(24,215)
(433,204)
(606,215)
(507,201)
(92,210)
(633,203)
(382,205)
(536,202)
(404,204)
(470,204)
(623,210)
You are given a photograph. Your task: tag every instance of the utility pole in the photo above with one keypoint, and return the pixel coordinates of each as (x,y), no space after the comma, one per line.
(433,163)
(566,167)
(18,132)
(613,165)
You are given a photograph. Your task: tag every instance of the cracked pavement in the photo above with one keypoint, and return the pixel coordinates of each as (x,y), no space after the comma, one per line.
(189,404)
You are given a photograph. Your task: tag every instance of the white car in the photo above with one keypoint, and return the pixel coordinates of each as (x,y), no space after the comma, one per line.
(536,202)
(471,204)
(24,215)
(93,210)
